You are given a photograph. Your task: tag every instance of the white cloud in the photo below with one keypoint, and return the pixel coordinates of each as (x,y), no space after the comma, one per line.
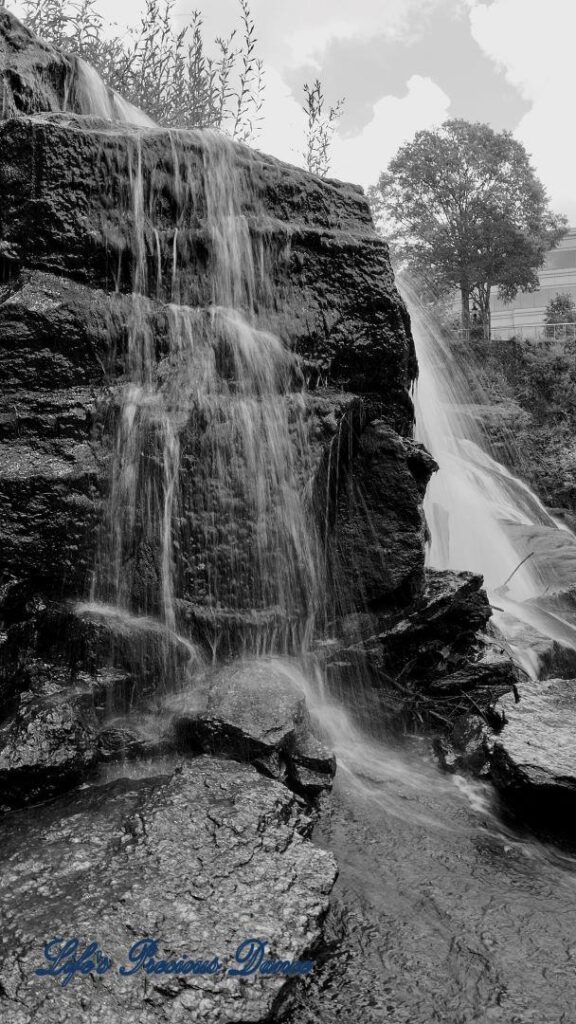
(535,46)
(362,158)
(284,125)
(299,31)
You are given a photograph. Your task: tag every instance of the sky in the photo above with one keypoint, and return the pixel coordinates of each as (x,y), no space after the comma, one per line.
(405,65)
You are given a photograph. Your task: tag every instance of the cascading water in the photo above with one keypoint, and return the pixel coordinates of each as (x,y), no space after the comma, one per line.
(481,517)
(92,97)
(211,450)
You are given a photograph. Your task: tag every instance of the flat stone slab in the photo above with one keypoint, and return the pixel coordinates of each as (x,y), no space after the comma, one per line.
(537,747)
(200,860)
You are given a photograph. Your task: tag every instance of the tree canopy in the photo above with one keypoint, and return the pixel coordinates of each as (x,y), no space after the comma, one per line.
(464,209)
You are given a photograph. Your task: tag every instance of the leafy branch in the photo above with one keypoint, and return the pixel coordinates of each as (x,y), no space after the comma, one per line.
(321,126)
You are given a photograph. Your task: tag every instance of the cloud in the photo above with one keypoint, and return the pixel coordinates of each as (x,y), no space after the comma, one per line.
(440,47)
(535,46)
(284,125)
(395,121)
(409,64)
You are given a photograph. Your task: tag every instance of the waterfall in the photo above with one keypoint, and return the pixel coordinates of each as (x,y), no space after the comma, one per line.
(94,98)
(480,516)
(208,512)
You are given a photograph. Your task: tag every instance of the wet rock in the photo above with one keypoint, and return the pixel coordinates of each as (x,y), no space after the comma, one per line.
(49,745)
(132,737)
(468,746)
(339,307)
(493,673)
(35,75)
(121,658)
(454,605)
(534,757)
(435,645)
(311,767)
(66,311)
(63,334)
(152,656)
(254,711)
(379,526)
(200,860)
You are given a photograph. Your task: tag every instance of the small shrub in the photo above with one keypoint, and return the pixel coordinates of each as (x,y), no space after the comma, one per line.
(321,126)
(166,73)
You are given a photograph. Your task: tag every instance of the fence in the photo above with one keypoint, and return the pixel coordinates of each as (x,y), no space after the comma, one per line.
(523,332)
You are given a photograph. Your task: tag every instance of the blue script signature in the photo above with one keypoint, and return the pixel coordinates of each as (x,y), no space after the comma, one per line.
(66,957)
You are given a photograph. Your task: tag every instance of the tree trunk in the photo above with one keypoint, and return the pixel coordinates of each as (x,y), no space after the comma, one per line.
(486,318)
(465,308)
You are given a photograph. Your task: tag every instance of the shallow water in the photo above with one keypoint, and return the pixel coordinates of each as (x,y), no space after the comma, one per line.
(447,915)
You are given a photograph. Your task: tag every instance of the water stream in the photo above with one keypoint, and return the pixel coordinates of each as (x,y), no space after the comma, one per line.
(480,516)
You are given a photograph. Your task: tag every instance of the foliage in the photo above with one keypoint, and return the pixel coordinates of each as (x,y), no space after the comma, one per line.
(321,125)
(465,210)
(167,74)
(561,310)
(530,388)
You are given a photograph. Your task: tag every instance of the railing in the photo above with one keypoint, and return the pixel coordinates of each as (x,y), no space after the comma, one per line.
(522,332)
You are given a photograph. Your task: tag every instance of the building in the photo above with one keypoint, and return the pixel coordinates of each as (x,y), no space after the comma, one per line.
(524,316)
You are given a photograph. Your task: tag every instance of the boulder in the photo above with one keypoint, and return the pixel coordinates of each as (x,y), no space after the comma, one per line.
(200,860)
(254,711)
(534,757)
(48,745)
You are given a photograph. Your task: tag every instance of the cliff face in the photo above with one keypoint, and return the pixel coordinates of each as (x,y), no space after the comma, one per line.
(72,241)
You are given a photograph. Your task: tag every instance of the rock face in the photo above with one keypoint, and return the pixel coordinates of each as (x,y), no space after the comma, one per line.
(67,234)
(201,860)
(35,75)
(383,486)
(534,757)
(60,723)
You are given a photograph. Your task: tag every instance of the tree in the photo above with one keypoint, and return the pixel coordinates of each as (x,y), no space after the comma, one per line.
(465,210)
(560,317)
(320,129)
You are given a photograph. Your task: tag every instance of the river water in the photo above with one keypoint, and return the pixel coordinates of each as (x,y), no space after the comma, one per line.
(456,921)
